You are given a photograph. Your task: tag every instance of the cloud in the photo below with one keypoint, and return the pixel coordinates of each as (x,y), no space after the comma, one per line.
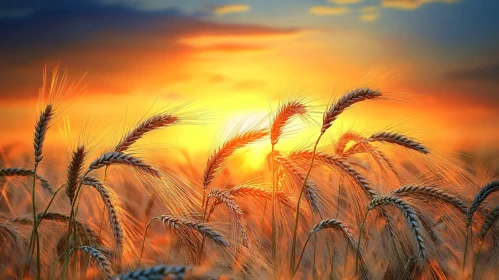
(345,1)
(123,49)
(227,9)
(487,73)
(327,11)
(369,17)
(230,48)
(412,4)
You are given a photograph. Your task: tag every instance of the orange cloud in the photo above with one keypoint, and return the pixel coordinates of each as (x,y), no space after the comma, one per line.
(411,4)
(234,8)
(369,17)
(327,11)
(344,1)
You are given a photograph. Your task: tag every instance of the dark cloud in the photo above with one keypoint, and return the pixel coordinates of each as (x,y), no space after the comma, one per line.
(487,73)
(121,47)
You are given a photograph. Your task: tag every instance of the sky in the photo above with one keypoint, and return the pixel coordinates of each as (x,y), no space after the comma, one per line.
(438,60)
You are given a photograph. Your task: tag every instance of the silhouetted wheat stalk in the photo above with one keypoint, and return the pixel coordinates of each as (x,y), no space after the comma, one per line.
(398,139)
(297,174)
(112,158)
(330,115)
(484,192)
(433,192)
(344,229)
(148,125)
(82,228)
(253,191)
(183,226)
(156,272)
(109,203)
(75,169)
(23,172)
(223,196)
(408,212)
(217,159)
(41,128)
(100,259)
(489,221)
(340,164)
(9,234)
(281,119)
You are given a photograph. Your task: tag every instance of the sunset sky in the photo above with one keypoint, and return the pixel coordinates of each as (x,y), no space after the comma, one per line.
(438,59)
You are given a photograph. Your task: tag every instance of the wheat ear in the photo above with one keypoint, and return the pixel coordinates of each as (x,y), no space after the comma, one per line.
(409,213)
(223,196)
(283,117)
(216,160)
(434,192)
(345,138)
(83,228)
(245,190)
(488,222)
(344,229)
(42,125)
(156,272)
(10,234)
(184,224)
(23,172)
(100,259)
(479,198)
(398,139)
(75,169)
(310,189)
(344,166)
(114,217)
(148,125)
(347,100)
(123,159)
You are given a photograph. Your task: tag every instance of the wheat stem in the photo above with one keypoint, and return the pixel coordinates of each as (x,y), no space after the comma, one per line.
(295,229)
(357,250)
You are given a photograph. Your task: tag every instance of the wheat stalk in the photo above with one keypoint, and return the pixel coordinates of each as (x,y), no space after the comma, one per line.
(479,198)
(398,139)
(83,228)
(223,196)
(345,138)
(484,192)
(124,159)
(433,192)
(216,160)
(343,165)
(148,125)
(295,172)
(245,190)
(409,213)
(283,117)
(345,231)
(488,222)
(114,218)
(202,228)
(10,234)
(23,172)
(41,128)
(156,272)
(100,259)
(75,169)
(347,100)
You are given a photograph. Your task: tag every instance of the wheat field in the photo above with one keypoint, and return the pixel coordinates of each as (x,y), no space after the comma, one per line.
(362,206)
